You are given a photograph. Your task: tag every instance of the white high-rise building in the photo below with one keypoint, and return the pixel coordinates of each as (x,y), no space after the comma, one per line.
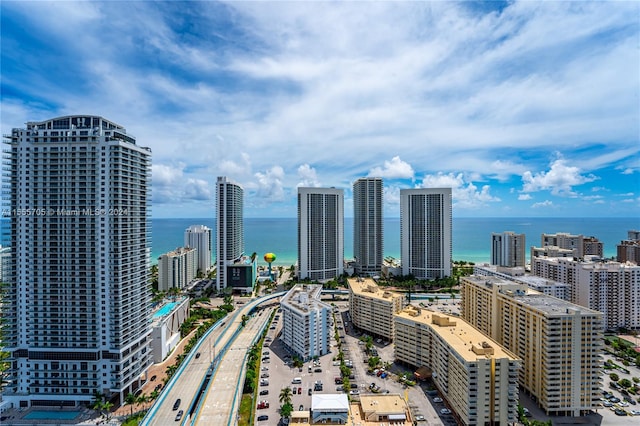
(76,316)
(199,238)
(177,268)
(508,249)
(305,321)
(229,227)
(368,241)
(320,233)
(425,232)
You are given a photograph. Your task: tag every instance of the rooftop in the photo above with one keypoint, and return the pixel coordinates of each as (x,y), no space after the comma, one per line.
(304,298)
(374,410)
(329,401)
(461,336)
(552,306)
(367,287)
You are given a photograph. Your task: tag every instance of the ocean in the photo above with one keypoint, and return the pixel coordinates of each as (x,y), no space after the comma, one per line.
(471,236)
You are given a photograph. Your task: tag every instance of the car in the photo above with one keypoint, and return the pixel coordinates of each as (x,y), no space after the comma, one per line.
(310,391)
(420,418)
(339,388)
(153,377)
(607,404)
(620,412)
(338,380)
(198,355)
(179,415)
(263,418)
(623,404)
(265,368)
(445,411)
(264,375)
(299,391)
(264,392)
(176,404)
(354,392)
(614,400)
(158,387)
(635,412)
(295,390)
(437,399)
(317,370)
(301,407)
(263,404)
(264,382)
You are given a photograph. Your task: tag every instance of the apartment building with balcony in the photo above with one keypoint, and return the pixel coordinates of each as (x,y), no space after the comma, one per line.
(518,275)
(305,321)
(229,228)
(76,316)
(579,244)
(372,308)
(629,250)
(612,288)
(177,268)
(560,343)
(475,374)
(508,249)
(368,225)
(199,238)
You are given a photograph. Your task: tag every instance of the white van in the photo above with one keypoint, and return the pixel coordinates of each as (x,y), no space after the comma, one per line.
(296,381)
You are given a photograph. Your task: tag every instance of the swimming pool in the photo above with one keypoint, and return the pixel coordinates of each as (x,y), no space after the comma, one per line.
(51,415)
(165,309)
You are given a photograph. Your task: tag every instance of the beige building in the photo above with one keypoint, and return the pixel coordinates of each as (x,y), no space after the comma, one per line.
(476,375)
(560,343)
(580,244)
(612,288)
(381,409)
(372,308)
(177,268)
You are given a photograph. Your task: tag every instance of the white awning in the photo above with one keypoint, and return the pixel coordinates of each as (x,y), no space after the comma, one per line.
(397,417)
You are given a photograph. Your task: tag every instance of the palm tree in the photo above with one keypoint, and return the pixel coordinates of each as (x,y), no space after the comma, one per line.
(130,399)
(142,399)
(154,395)
(285,395)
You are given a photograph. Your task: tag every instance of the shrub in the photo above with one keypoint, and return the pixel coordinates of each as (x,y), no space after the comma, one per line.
(614,377)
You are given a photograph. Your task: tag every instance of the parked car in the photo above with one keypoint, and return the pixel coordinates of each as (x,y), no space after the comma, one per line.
(264,392)
(301,407)
(153,377)
(299,391)
(437,399)
(263,418)
(354,392)
(445,411)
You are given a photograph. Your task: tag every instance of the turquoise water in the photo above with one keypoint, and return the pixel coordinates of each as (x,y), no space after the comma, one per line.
(166,309)
(471,236)
(51,415)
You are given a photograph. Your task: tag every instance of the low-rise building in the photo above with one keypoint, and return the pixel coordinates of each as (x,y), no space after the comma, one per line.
(372,308)
(305,321)
(476,375)
(165,327)
(329,408)
(381,409)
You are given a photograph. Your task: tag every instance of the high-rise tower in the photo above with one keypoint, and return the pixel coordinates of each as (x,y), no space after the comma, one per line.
(320,233)
(508,249)
(425,232)
(199,238)
(229,227)
(77,318)
(368,247)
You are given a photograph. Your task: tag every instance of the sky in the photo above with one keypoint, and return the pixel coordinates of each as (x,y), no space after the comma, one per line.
(524,109)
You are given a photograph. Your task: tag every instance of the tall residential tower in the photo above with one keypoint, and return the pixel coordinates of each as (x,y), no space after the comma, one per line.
(368,247)
(199,238)
(508,249)
(229,228)
(77,318)
(425,232)
(320,233)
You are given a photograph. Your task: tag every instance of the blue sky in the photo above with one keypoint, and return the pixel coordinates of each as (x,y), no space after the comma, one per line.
(523,108)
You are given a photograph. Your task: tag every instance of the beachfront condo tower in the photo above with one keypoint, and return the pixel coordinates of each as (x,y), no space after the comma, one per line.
(76,311)
(199,238)
(320,233)
(368,247)
(425,232)
(229,228)
(508,249)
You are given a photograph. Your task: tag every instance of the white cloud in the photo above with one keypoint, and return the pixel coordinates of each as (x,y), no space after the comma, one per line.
(394,169)
(270,184)
(465,194)
(545,203)
(308,176)
(559,179)
(172,185)
(524,197)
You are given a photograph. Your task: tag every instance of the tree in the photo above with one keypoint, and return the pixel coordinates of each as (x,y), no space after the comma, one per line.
(130,399)
(625,383)
(286,409)
(614,377)
(142,399)
(285,396)
(373,361)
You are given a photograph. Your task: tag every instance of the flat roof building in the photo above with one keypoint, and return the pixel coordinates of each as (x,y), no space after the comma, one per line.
(475,374)
(199,237)
(377,409)
(229,227)
(372,308)
(508,249)
(612,288)
(320,233)
(579,244)
(329,408)
(425,232)
(560,343)
(368,225)
(305,321)
(177,268)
